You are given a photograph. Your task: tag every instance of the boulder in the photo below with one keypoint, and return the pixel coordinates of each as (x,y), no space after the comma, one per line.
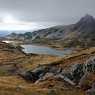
(29,76)
(77,72)
(90,91)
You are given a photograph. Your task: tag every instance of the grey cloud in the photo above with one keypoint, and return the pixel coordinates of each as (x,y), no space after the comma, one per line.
(61,11)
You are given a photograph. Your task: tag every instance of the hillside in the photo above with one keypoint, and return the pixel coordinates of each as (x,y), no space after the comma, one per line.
(14,61)
(80,34)
(22,74)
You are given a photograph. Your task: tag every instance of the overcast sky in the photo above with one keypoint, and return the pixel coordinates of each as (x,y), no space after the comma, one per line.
(47,11)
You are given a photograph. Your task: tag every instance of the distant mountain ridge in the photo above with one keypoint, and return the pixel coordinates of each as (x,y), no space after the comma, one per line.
(3,33)
(80,34)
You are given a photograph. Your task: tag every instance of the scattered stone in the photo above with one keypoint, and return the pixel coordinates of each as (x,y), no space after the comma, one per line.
(90,91)
(77,75)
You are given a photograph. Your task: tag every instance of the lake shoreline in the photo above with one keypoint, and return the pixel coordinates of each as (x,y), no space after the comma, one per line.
(39,49)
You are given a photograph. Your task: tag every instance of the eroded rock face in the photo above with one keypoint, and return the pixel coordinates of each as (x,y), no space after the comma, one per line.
(77,75)
(40,73)
(29,76)
(90,65)
(77,72)
(80,72)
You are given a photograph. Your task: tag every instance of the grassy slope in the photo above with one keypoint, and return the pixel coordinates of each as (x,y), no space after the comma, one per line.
(14,85)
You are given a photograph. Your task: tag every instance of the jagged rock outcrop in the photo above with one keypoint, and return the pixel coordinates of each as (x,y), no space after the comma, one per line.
(77,75)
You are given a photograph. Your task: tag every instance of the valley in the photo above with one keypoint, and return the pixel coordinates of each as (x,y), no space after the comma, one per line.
(55,72)
(78,35)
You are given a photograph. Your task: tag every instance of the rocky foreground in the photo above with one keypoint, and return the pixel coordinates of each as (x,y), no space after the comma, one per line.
(22,74)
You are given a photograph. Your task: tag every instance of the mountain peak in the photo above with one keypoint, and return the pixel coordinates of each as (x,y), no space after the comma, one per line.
(87,19)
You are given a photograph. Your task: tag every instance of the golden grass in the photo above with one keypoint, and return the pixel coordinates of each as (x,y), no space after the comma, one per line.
(14,85)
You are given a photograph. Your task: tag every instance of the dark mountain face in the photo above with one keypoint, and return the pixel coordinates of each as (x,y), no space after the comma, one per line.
(87,19)
(80,34)
(85,25)
(85,31)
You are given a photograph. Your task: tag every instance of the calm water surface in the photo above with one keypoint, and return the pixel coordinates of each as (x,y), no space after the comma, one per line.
(44,50)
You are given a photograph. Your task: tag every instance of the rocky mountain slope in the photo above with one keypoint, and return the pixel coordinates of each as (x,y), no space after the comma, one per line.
(80,34)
